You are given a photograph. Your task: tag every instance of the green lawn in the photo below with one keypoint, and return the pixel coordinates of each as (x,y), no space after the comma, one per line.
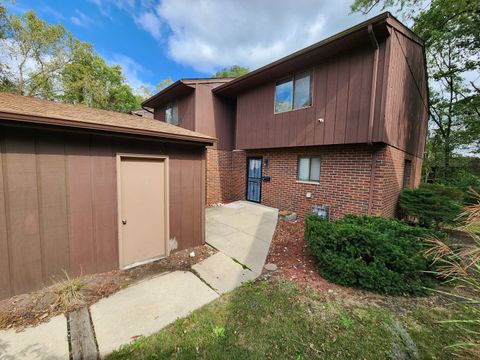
(276,320)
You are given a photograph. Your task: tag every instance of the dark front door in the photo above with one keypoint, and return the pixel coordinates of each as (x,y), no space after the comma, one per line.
(254,179)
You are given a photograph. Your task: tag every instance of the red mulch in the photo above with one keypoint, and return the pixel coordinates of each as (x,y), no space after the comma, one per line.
(288,251)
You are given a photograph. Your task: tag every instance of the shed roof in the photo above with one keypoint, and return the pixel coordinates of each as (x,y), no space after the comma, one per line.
(32,110)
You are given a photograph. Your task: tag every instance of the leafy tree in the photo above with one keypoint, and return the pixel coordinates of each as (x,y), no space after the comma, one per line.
(164,84)
(36,51)
(451,31)
(45,60)
(89,80)
(233,71)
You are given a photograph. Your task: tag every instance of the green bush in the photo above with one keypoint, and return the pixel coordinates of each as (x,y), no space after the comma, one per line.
(431,204)
(372,253)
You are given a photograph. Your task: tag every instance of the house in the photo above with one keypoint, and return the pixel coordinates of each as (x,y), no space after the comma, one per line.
(339,125)
(85,190)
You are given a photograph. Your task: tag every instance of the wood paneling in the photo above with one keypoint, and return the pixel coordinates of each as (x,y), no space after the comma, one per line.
(341,94)
(342,87)
(186,112)
(60,208)
(406,102)
(5,279)
(22,207)
(53,203)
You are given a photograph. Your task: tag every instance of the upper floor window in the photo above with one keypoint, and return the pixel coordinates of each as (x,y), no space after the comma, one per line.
(293,93)
(171,114)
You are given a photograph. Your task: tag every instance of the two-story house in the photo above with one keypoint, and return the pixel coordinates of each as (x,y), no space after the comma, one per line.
(340,123)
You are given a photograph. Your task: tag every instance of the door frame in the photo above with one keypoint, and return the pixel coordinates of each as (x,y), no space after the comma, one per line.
(261,176)
(163,158)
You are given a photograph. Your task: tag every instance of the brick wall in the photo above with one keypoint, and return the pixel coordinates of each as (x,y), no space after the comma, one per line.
(219,171)
(389,178)
(346,178)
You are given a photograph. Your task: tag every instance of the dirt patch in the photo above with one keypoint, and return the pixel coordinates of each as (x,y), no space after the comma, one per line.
(289,252)
(39,306)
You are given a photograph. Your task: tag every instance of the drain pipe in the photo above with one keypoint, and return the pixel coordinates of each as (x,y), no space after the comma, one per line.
(374,43)
(373,93)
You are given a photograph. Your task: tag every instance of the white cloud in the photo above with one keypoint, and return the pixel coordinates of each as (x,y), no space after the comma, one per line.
(80,19)
(210,34)
(133,71)
(150,22)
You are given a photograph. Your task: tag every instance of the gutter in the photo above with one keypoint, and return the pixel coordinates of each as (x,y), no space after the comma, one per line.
(373,96)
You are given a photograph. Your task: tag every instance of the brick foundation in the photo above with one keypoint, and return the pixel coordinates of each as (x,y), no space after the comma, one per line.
(347,182)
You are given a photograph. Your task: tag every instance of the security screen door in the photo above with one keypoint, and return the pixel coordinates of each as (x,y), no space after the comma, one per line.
(254,179)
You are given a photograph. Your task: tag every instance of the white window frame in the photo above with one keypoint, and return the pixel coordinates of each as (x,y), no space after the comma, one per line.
(309,180)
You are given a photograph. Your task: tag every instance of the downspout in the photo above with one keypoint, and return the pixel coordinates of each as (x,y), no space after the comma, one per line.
(374,42)
(373,93)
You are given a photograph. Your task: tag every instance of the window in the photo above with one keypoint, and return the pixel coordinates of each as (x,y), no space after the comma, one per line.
(171,114)
(308,169)
(293,93)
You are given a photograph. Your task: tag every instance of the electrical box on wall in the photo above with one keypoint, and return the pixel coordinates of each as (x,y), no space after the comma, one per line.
(266,178)
(322,211)
(308,195)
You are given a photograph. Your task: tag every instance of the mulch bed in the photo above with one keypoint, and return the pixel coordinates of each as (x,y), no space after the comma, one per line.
(288,251)
(36,307)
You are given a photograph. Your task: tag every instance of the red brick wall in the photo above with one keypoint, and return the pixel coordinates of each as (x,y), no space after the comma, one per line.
(389,178)
(219,171)
(346,178)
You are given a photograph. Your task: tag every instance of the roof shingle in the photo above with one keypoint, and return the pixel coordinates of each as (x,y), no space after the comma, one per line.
(29,109)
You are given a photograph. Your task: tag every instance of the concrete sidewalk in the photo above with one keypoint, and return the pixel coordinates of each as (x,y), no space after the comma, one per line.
(241,231)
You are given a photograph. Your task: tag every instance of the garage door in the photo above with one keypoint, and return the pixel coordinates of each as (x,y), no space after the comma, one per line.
(143,211)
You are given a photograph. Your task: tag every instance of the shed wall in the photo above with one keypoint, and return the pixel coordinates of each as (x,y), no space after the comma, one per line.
(58,202)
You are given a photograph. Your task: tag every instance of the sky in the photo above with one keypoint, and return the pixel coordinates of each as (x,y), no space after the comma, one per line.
(156,39)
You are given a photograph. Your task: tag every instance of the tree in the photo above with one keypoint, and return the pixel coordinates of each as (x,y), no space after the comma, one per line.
(451,31)
(233,71)
(89,80)
(164,83)
(44,60)
(34,51)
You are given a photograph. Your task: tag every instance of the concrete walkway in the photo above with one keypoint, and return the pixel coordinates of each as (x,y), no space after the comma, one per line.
(241,231)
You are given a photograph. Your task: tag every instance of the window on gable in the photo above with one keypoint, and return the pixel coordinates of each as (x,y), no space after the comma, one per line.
(293,93)
(171,114)
(308,168)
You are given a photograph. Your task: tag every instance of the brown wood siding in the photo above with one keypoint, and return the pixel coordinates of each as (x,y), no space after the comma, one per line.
(341,93)
(341,96)
(406,102)
(214,116)
(186,112)
(58,201)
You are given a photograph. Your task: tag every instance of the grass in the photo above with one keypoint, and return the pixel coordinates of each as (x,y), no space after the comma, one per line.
(276,320)
(68,293)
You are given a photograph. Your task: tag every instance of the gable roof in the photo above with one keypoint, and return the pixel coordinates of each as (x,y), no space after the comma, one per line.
(32,110)
(181,88)
(354,37)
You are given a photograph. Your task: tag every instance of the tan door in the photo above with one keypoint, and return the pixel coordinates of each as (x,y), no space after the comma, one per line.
(142,210)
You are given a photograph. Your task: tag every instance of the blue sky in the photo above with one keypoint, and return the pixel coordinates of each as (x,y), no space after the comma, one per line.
(156,39)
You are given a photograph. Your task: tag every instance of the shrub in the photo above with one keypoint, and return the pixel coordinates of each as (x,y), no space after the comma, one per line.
(371,253)
(431,204)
